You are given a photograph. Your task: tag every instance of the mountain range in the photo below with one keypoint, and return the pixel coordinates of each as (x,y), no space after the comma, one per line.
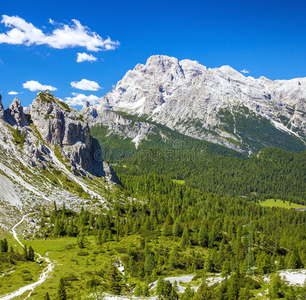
(218,105)
(48,153)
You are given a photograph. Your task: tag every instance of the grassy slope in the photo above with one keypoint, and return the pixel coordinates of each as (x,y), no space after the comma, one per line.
(65,252)
(281,203)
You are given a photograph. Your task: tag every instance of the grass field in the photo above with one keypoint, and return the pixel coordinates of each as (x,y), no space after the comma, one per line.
(280,203)
(84,270)
(179,181)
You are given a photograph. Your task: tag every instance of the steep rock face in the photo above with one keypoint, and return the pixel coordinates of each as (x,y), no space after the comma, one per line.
(15,115)
(65,130)
(117,124)
(191,99)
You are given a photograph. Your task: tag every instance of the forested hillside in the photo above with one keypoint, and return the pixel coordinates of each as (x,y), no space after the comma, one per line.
(173,229)
(271,173)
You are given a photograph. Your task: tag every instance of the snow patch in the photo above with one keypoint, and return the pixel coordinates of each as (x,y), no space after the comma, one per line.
(294,277)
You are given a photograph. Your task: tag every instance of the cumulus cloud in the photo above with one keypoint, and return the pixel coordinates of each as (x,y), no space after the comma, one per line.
(36,86)
(64,36)
(245,71)
(85,85)
(79,99)
(85,57)
(13,93)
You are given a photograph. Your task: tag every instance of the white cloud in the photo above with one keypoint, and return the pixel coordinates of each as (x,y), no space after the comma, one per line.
(79,99)
(245,71)
(13,93)
(64,36)
(85,57)
(36,86)
(85,85)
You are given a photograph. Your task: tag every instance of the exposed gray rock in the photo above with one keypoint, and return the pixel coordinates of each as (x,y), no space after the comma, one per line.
(15,115)
(118,125)
(65,130)
(180,93)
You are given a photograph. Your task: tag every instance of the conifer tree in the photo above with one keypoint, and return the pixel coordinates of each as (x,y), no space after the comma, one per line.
(3,245)
(99,237)
(185,236)
(174,258)
(114,280)
(233,289)
(149,264)
(61,292)
(25,252)
(141,272)
(47,297)
(138,290)
(295,260)
(203,293)
(169,220)
(159,286)
(276,287)
(226,269)
(31,254)
(188,294)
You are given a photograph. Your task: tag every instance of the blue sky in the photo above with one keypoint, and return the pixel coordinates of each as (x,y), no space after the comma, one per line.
(264,37)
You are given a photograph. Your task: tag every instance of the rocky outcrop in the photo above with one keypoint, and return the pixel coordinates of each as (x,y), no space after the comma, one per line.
(65,130)
(190,98)
(14,115)
(117,124)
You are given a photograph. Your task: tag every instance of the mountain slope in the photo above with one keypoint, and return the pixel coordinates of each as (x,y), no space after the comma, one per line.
(205,103)
(48,155)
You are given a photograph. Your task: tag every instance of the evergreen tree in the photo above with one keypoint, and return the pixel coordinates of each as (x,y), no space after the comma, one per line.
(174,258)
(245,294)
(141,272)
(159,286)
(177,228)
(47,297)
(114,280)
(226,269)
(25,252)
(169,220)
(61,292)
(188,294)
(149,264)
(146,292)
(291,294)
(295,260)
(81,240)
(185,236)
(203,293)
(233,289)
(166,230)
(3,245)
(138,290)
(99,237)
(31,254)
(276,287)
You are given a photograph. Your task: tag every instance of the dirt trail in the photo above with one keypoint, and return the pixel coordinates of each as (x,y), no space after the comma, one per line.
(43,276)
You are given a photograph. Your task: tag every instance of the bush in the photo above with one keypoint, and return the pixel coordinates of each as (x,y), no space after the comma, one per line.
(83,253)
(19,137)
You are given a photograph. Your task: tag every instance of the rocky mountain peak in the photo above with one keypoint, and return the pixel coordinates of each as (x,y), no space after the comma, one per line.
(179,94)
(64,128)
(15,115)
